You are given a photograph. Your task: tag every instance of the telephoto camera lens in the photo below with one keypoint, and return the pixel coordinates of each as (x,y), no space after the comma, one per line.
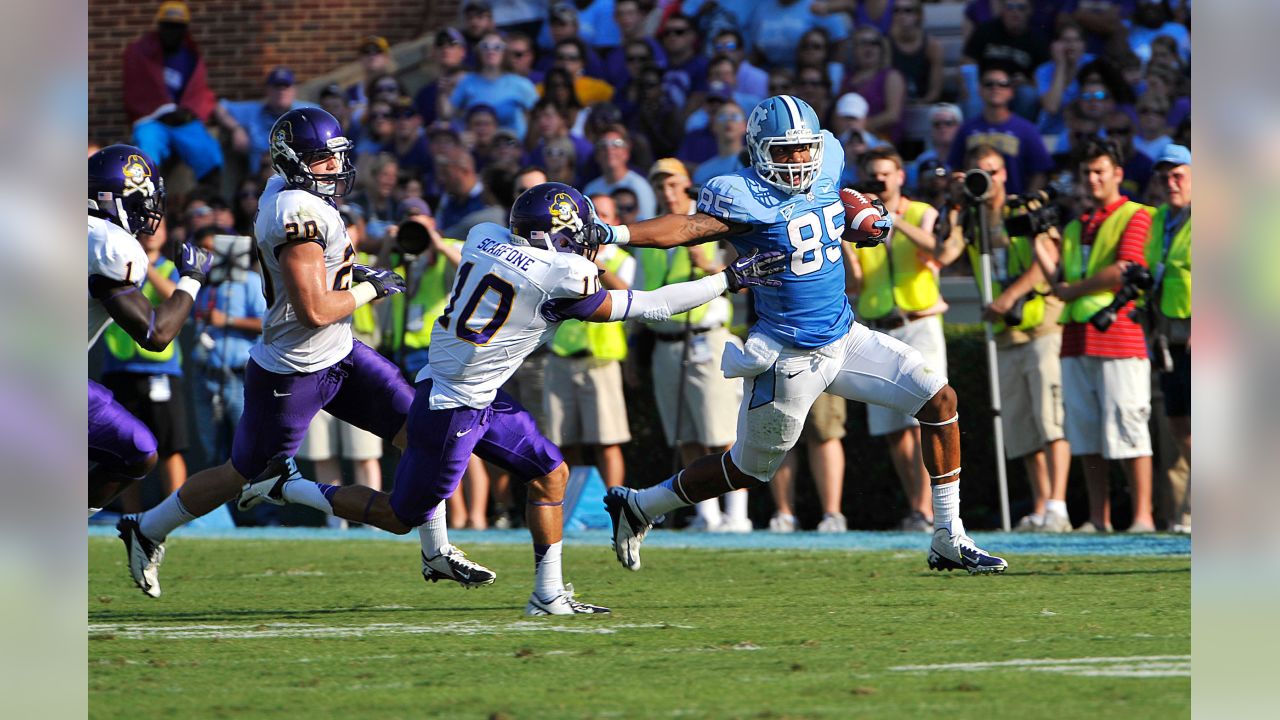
(977,184)
(412,238)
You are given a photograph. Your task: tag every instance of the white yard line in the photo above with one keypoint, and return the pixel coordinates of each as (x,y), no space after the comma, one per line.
(1134,666)
(309,630)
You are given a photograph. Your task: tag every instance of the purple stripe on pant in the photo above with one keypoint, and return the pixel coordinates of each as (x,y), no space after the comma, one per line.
(364,389)
(117,440)
(441,442)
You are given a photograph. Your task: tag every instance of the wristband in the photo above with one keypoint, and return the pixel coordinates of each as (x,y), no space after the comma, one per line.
(621,235)
(189,285)
(364,293)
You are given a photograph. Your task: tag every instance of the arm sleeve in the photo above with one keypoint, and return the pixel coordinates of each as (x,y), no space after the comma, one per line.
(666,301)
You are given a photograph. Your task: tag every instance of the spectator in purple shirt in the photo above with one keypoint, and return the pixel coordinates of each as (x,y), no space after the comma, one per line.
(1025,157)
(621,61)
(547,123)
(448,54)
(408,141)
(686,74)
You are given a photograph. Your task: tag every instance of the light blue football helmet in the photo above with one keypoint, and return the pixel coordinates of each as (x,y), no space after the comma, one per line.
(784,120)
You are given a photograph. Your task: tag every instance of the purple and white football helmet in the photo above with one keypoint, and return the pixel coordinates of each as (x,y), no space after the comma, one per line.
(555,216)
(125,188)
(303,136)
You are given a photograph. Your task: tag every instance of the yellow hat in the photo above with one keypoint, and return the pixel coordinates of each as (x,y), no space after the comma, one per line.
(668,166)
(173,11)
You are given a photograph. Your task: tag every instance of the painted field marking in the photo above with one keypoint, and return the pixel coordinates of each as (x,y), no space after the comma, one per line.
(267,631)
(1135,666)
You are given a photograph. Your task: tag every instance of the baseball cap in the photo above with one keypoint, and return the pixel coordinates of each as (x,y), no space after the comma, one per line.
(946,109)
(173,12)
(506,134)
(442,127)
(1174,155)
(668,166)
(852,105)
(450,36)
(374,43)
(477,6)
(414,206)
(280,76)
(564,12)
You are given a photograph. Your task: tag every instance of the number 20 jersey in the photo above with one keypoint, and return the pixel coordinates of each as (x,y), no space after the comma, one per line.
(286,216)
(809,309)
(495,316)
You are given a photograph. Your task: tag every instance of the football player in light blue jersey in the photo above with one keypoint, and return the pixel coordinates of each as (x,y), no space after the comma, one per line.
(805,341)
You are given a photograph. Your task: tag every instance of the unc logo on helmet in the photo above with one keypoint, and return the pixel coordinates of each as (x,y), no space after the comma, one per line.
(554,216)
(125,189)
(787,126)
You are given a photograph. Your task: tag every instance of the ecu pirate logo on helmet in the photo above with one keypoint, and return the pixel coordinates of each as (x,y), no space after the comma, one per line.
(564,214)
(283,134)
(137,176)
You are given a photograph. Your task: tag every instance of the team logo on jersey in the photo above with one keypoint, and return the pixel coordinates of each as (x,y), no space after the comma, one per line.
(137,176)
(564,214)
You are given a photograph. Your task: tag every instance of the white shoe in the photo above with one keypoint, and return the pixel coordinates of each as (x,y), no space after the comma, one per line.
(562,604)
(735,525)
(1180,529)
(630,525)
(1029,523)
(145,555)
(916,522)
(701,524)
(452,564)
(833,523)
(780,523)
(1055,523)
(268,486)
(957,551)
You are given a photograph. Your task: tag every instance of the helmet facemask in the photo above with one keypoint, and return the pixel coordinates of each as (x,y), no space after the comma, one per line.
(791,178)
(297,169)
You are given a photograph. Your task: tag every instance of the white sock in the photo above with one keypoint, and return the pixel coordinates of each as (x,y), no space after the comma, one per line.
(164,518)
(434,534)
(735,504)
(305,492)
(336,523)
(660,499)
(1055,507)
(709,511)
(946,504)
(547,582)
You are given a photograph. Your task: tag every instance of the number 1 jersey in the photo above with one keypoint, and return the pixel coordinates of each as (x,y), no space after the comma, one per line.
(503,306)
(286,216)
(809,309)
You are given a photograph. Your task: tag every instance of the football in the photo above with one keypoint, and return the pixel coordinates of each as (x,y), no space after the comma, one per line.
(860,215)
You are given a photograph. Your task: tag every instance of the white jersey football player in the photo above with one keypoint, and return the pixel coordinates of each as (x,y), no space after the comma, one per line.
(512,290)
(126,199)
(306,359)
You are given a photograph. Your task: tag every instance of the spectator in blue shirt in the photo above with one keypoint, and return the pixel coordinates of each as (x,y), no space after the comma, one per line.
(510,95)
(776,25)
(752,81)
(254,118)
(1154,18)
(1056,80)
(465,202)
(729,125)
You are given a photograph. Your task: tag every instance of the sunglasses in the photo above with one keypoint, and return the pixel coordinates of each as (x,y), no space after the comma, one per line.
(1095,95)
(1119,130)
(614,143)
(945,123)
(380,116)
(627,208)
(637,58)
(1151,111)
(814,46)
(730,117)
(677,31)
(492,47)
(520,53)
(810,82)
(568,58)
(905,10)
(997,84)
(726,46)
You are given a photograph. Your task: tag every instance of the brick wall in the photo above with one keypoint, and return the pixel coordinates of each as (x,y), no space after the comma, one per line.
(242,39)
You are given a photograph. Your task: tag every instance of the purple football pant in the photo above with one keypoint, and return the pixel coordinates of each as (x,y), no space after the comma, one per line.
(364,389)
(441,442)
(117,440)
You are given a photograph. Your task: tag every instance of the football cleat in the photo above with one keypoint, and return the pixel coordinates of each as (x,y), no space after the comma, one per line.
(145,555)
(452,564)
(833,523)
(957,552)
(629,525)
(562,604)
(268,486)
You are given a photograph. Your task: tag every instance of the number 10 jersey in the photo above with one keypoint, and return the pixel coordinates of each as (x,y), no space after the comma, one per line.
(286,216)
(502,307)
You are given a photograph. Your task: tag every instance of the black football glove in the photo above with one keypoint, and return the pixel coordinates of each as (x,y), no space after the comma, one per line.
(386,282)
(755,269)
(194,262)
(884,224)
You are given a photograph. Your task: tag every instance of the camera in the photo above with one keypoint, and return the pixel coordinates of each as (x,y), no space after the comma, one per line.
(1137,280)
(1029,222)
(412,238)
(1013,318)
(232,256)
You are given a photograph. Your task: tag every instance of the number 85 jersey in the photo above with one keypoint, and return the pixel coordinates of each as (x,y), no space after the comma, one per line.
(809,309)
(287,216)
(508,298)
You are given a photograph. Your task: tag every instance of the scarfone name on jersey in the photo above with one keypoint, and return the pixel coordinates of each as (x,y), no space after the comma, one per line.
(508,253)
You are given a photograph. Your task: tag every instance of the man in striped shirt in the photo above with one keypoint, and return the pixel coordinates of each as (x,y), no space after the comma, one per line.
(1106,376)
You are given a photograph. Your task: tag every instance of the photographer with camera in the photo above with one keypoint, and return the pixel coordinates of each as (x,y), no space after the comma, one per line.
(1028,339)
(1106,376)
(899,295)
(1169,314)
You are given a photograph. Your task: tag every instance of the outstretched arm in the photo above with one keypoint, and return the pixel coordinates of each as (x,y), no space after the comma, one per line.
(668,231)
(154,327)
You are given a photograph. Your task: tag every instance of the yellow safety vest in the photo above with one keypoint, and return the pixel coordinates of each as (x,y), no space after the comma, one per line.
(659,272)
(913,286)
(1105,247)
(123,346)
(1175,289)
(363,322)
(605,341)
(432,297)
(1019,261)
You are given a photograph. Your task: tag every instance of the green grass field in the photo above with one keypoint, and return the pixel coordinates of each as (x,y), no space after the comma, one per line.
(298,629)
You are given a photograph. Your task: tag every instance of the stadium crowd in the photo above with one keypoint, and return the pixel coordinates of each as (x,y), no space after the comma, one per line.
(640,102)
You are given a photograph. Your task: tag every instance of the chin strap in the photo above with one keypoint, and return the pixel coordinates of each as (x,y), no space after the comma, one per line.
(954,418)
